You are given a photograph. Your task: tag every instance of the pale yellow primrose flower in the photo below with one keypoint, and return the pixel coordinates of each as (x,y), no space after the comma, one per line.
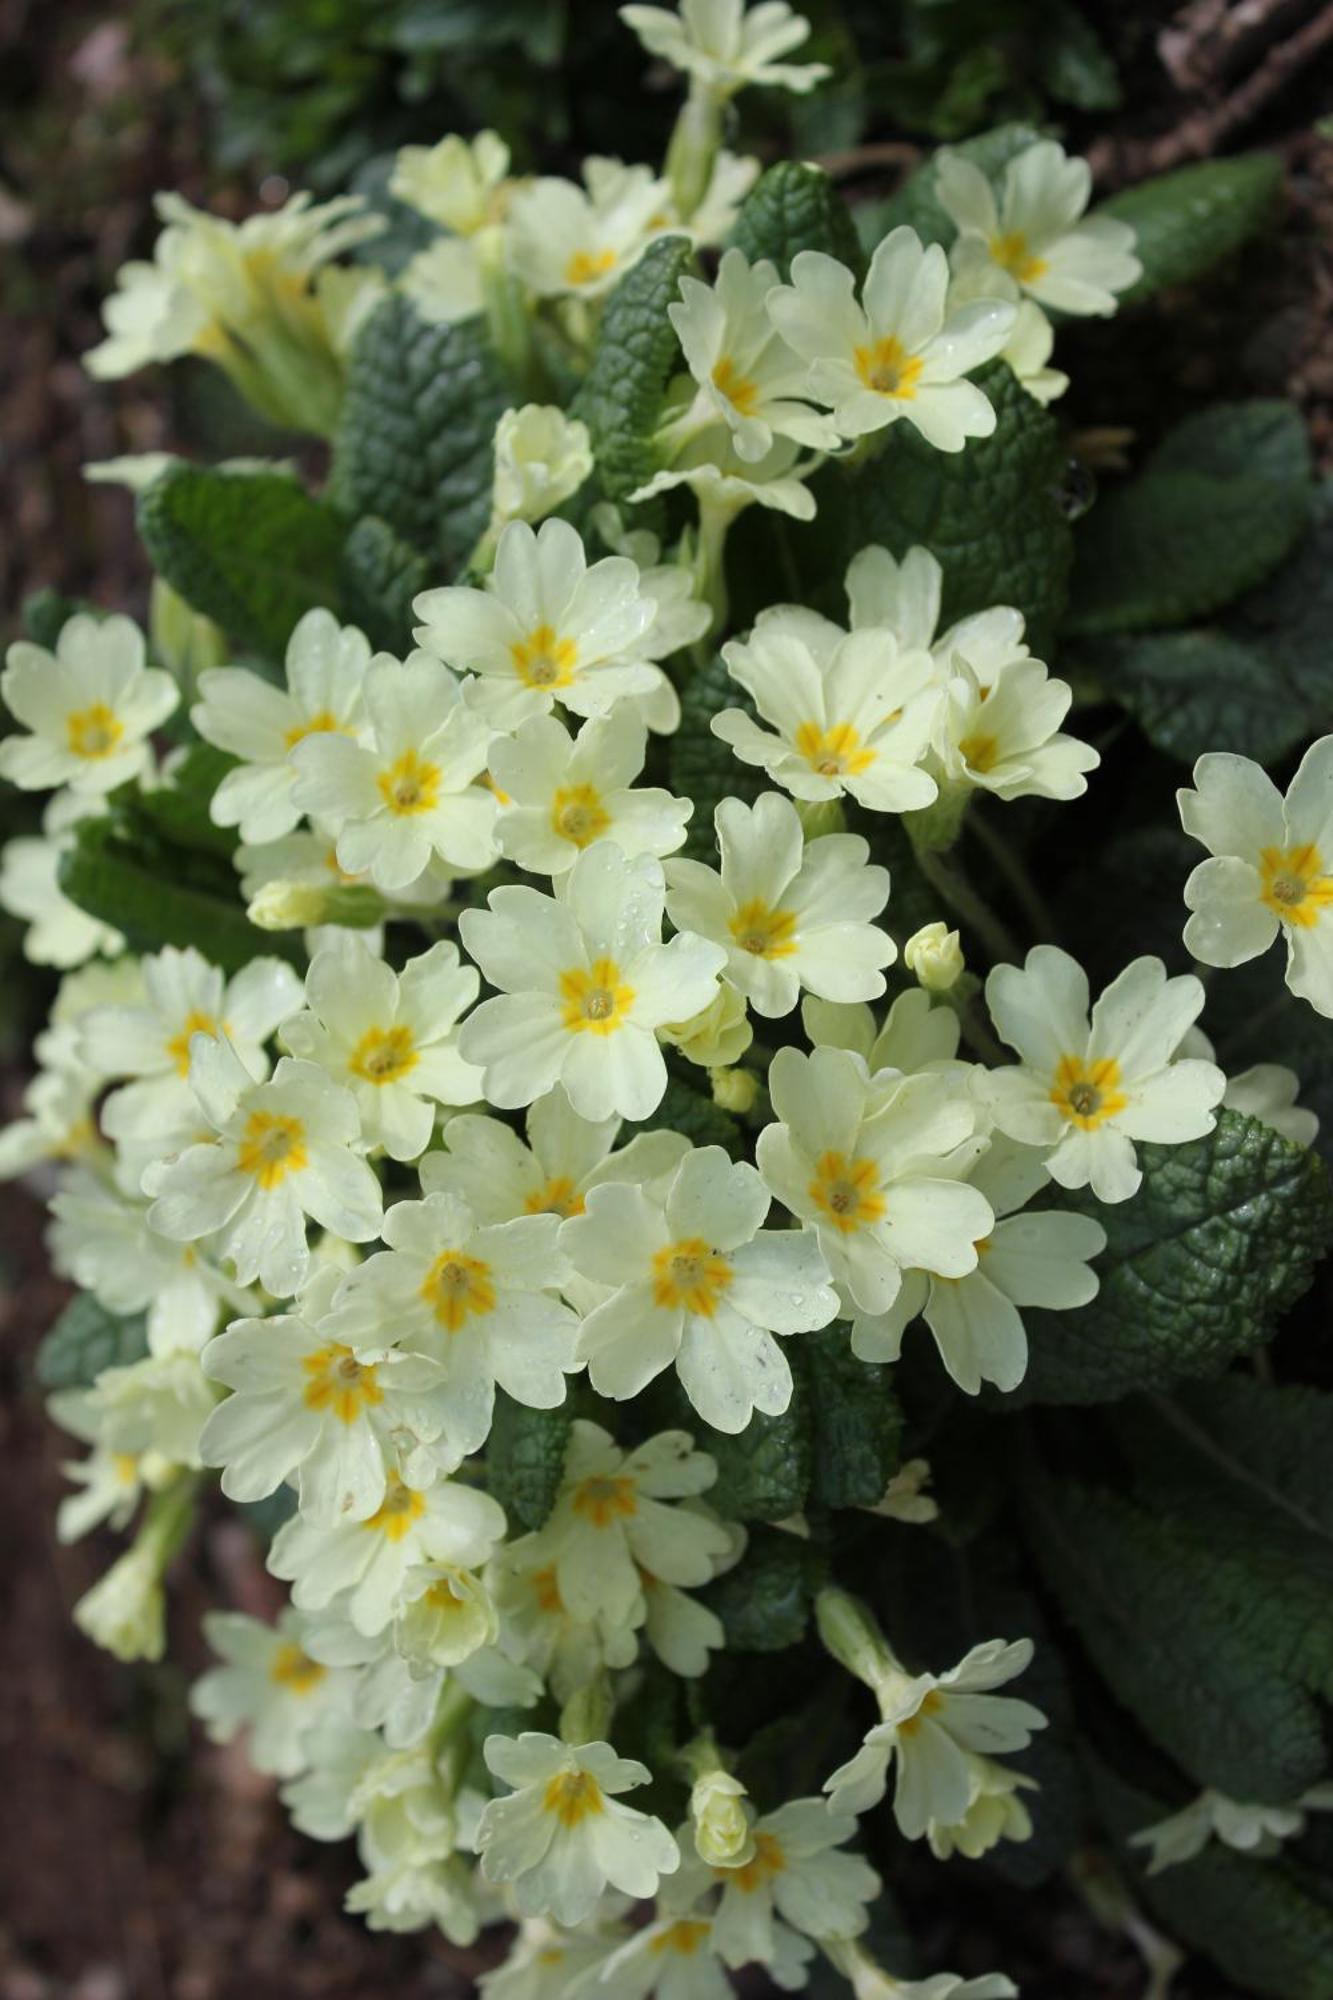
(261,298)
(727,45)
(1272,869)
(898,353)
(90,707)
(1036,239)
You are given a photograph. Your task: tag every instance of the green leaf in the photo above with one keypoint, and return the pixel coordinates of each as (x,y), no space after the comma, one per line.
(382,574)
(1220,1239)
(1254,1018)
(991,513)
(703,768)
(1267,1924)
(1075,66)
(145,892)
(525,1459)
(1260,682)
(764,1603)
(414,443)
(252,551)
(177,811)
(1189,220)
(46,612)
(1212,1622)
(693,1112)
(1214,510)
(86,1339)
(763,1472)
(795,207)
(1270,1445)
(855,1420)
(916,202)
(637,352)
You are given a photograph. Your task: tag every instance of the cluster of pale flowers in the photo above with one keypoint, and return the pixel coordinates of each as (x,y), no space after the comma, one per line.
(455,1124)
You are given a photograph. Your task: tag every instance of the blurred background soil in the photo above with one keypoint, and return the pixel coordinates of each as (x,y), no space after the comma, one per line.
(137,1863)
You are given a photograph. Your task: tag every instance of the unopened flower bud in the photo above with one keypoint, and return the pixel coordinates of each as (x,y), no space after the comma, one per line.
(541,457)
(716,1036)
(722,1830)
(124,1612)
(935,955)
(734,1089)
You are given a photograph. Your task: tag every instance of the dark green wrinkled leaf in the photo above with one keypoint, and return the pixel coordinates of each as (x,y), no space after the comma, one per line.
(86,1339)
(703,768)
(637,352)
(1221,1238)
(252,551)
(763,1472)
(382,574)
(414,444)
(855,1422)
(1189,220)
(764,1603)
(795,207)
(525,1459)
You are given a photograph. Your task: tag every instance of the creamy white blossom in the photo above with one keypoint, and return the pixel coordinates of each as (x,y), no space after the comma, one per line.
(559,794)
(898,353)
(547,627)
(726,44)
(562,1835)
(697,1283)
(389,1037)
(790,913)
(1036,239)
(1087,1086)
(1271,874)
(90,707)
(567,241)
(584,984)
(58,932)
(262,724)
(279,1152)
(407,792)
(542,457)
(267,1685)
(1247,1828)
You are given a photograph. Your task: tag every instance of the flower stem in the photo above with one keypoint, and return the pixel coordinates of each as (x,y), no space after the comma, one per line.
(1015,872)
(948,878)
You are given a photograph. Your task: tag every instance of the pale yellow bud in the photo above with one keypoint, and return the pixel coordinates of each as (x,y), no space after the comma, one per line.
(734,1089)
(722,1830)
(935,955)
(718,1035)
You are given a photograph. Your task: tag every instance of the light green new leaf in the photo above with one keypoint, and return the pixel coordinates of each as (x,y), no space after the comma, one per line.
(1220,1239)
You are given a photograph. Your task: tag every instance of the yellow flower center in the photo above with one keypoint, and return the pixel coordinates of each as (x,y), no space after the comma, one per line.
(383,1055)
(885,366)
(982,752)
(339,1383)
(739,390)
(458,1288)
(767,1861)
(402,1506)
(573,1796)
(558,1196)
(125,1464)
(1011,253)
(178,1046)
(766,932)
(273,1147)
(577,814)
(295,1670)
(596,1000)
(683,1937)
(602,1500)
(410,785)
(692,1275)
(448,1595)
(835,752)
(931,1703)
(587,265)
(94,731)
(1294,885)
(1088,1093)
(547,1591)
(323,723)
(847,1191)
(544,659)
